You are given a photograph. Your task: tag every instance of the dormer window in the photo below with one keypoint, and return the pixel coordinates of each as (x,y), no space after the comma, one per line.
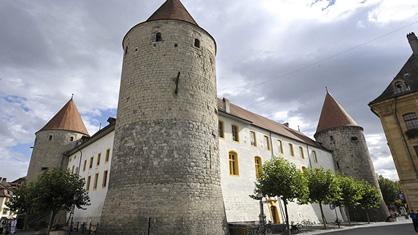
(401,86)
(158,37)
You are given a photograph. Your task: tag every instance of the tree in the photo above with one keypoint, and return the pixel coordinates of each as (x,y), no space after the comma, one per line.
(370,198)
(350,193)
(54,191)
(323,188)
(390,190)
(281,178)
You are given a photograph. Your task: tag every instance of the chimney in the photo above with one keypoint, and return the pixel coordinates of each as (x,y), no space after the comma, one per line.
(227,105)
(413,41)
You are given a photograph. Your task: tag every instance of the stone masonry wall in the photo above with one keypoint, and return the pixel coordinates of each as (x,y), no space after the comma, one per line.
(165,175)
(353,159)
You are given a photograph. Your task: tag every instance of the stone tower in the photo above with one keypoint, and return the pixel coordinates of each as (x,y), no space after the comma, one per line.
(56,137)
(165,175)
(397,109)
(338,132)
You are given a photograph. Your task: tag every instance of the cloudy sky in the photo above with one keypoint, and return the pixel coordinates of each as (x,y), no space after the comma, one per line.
(275,57)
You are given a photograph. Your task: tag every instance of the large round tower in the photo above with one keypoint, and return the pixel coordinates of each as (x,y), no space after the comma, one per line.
(56,137)
(338,132)
(165,175)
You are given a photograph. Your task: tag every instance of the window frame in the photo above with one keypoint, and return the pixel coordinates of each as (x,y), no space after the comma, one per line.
(302,152)
(233,163)
(291,149)
(315,156)
(237,133)
(104,180)
(267,140)
(88,183)
(253,138)
(99,156)
(91,162)
(96,180)
(280,146)
(221,129)
(107,157)
(258,164)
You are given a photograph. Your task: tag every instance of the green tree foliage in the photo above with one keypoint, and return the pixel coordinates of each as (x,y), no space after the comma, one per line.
(370,198)
(390,190)
(323,188)
(350,193)
(281,178)
(54,191)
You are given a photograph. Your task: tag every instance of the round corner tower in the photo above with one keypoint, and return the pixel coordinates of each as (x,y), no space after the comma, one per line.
(57,136)
(165,175)
(337,131)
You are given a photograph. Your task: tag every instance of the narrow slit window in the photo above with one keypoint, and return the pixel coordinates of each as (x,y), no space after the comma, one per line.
(197,43)
(96,178)
(104,183)
(221,129)
(302,153)
(158,37)
(98,158)
(107,155)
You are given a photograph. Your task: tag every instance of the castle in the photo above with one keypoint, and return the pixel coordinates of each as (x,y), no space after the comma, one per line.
(178,160)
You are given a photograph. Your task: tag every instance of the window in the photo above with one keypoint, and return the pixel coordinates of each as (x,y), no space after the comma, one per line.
(235,133)
(96,178)
(50,137)
(233,163)
(291,150)
(107,155)
(85,164)
(72,170)
(411,121)
(91,162)
(88,183)
(104,179)
(258,167)
(267,142)
(314,156)
(197,43)
(280,145)
(253,138)
(302,153)
(401,86)
(158,37)
(98,158)
(221,129)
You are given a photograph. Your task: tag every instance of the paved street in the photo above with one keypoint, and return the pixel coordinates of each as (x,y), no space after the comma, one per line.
(399,229)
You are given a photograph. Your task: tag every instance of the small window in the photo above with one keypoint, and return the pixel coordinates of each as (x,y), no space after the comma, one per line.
(91,162)
(302,153)
(221,129)
(258,166)
(85,164)
(314,156)
(233,163)
(235,133)
(291,150)
(411,121)
(88,183)
(280,145)
(96,178)
(104,183)
(98,158)
(71,139)
(267,142)
(197,43)
(158,37)
(354,138)
(107,155)
(50,137)
(253,138)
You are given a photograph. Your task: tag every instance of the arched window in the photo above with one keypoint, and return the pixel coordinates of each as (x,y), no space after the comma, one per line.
(411,120)
(158,37)
(233,163)
(197,43)
(258,166)
(401,86)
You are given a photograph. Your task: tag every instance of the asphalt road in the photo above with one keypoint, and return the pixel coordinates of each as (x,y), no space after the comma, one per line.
(400,229)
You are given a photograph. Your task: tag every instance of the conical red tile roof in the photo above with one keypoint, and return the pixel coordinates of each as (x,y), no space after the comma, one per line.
(333,115)
(68,118)
(172,10)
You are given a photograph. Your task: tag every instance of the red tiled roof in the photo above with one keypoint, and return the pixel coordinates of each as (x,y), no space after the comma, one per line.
(172,10)
(333,115)
(68,118)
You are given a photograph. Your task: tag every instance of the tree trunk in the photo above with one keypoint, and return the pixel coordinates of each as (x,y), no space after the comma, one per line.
(25,222)
(368,217)
(348,215)
(287,216)
(51,221)
(324,221)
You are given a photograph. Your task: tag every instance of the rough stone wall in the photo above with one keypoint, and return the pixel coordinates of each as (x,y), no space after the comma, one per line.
(352,158)
(165,175)
(49,153)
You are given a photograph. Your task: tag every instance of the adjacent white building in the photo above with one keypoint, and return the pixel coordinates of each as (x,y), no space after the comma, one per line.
(246,141)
